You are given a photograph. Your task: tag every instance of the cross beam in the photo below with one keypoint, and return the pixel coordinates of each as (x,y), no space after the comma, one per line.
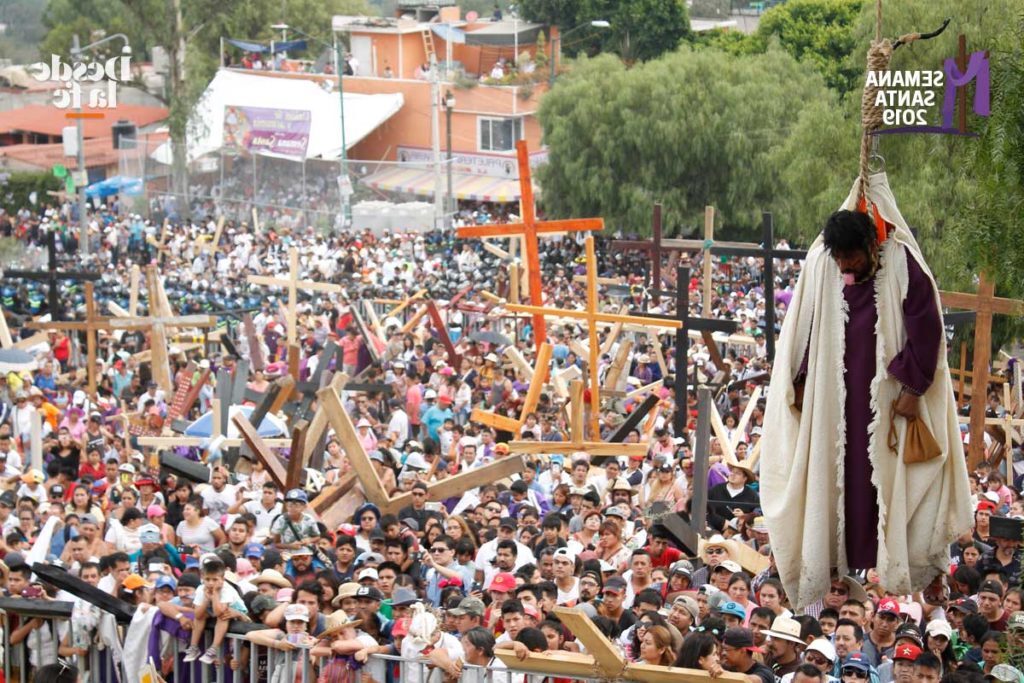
(1008,423)
(655,248)
(52,277)
(529,228)
(985,304)
(592,317)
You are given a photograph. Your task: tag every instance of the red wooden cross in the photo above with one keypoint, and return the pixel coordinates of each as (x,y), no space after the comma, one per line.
(529,228)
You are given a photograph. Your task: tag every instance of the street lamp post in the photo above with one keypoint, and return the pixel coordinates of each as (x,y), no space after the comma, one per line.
(596,23)
(449,107)
(344,183)
(76,54)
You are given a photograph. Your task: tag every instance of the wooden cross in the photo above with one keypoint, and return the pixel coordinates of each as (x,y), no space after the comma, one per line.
(293,284)
(604,660)
(52,277)
(592,317)
(765,251)
(705,326)
(211,246)
(89,326)
(341,422)
(1009,425)
(654,248)
(530,228)
(538,378)
(158,322)
(985,304)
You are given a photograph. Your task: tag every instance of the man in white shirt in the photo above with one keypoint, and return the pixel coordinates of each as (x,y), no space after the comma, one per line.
(488,551)
(565,577)
(218,497)
(264,509)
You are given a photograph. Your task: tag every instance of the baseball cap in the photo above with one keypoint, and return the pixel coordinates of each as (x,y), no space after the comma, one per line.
(57,490)
(473,606)
(687,603)
(857,660)
(733,608)
(910,631)
(149,533)
(367,574)
(503,582)
(1006,673)
(682,567)
(401,627)
(507,523)
(889,606)
(824,648)
(135,582)
(296,612)
(991,587)
(730,565)
(369,592)
(939,627)
(965,605)
(985,504)
(297,496)
(907,651)
(740,638)
(300,551)
(616,584)
(166,582)
(7,499)
(1016,621)
(403,597)
(254,550)
(155,510)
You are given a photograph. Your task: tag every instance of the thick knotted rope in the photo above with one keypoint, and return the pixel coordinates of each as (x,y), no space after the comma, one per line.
(871,116)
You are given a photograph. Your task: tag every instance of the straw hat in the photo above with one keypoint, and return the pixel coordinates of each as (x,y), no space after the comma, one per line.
(271,576)
(338,621)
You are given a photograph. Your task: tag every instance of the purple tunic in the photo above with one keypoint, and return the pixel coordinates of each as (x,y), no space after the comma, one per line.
(914,367)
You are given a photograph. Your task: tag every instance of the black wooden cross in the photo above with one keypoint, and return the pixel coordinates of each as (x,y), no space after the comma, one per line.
(766,251)
(683,340)
(654,247)
(52,276)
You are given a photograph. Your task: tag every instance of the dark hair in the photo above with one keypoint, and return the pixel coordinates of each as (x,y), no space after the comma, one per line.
(481,638)
(649,596)
(508,544)
(552,520)
(809,627)
(969,576)
(61,672)
(529,588)
(849,231)
(829,613)
(928,660)
(345,539)
(213,566)
(311,587)
(975,626)
(858,631)
(114,558)
(533,638)
(695,646)
(513,606)
(23,569)
(764,613)
(809,670)
(132,514)
(548,588)
(447,540)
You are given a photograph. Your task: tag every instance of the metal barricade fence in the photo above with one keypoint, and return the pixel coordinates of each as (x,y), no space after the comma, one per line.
(252,663)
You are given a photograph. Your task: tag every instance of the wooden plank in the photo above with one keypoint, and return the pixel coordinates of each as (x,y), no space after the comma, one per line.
(5,332)
(709,237)
(29,342)
(748,558)
(460,483)
(577,425)
(571,665)
(564,447)
(330,402)
(332,494)
(539,377)
(517,359)
(607,657)
(614,375)
(741,427)
(271,463)
(296,463)
(202,441)
(500,422)
(36,440)
(318,425)
(639,391)
(649,673)
(133,292)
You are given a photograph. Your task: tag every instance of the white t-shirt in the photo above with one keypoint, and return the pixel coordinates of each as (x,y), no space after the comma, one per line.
(201,536)
(218,502)
(263,516)
(570,596)
(228,596)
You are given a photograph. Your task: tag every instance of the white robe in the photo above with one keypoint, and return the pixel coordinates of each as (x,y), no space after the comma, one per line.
(922,507)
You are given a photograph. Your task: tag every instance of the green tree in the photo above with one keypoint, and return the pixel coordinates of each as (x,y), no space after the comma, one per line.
(688,129)
(819,31)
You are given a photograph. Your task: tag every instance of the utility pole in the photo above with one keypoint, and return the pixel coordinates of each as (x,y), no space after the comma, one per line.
(83,221)
(435,141)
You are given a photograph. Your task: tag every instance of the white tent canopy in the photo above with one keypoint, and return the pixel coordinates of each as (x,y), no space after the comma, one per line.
(363,113)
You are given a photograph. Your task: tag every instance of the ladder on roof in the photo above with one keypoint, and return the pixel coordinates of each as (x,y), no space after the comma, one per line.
(428,45)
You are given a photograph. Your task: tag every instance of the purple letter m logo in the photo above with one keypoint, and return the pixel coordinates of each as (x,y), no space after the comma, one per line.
(977,70)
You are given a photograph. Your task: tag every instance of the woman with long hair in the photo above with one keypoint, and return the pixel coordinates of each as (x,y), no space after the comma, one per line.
(610,548)
(197,530)
(82,503)
(938,641)
(366,519)
(739,592)
(656,647)
(647,621)
(700,651)
(457,528)
(773,596)
(560,499)
(662,487)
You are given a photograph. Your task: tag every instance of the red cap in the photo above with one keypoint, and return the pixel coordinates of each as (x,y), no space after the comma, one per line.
(985,505)
(401,627)
(503,582)
(888,605)
(907,651)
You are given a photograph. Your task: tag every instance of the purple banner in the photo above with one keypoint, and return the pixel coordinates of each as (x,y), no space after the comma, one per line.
(277,132)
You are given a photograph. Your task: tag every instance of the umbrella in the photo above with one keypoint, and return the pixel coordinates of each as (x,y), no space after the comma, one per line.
(16,360)
(495,338)
(269,427)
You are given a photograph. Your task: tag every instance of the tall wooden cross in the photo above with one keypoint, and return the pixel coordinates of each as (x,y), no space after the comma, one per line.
(765,251)
(530,228)
(655,248)
(293,284)
(90,326)
(52,277)
(593,316)
(706,326)
(158,322)
(537,379)
(985,304)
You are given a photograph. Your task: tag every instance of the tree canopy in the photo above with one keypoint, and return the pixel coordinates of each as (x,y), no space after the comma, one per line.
(691,128)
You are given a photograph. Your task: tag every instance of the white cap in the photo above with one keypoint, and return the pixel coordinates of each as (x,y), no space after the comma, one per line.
(823,647)
(296,612)
(429,393)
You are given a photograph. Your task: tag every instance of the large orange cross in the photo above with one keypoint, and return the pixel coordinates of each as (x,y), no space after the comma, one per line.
(529,228)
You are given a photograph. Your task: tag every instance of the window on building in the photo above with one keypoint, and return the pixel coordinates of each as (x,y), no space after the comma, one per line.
(499,135)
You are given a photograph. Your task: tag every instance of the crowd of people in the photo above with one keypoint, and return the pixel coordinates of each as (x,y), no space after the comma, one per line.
(450,583)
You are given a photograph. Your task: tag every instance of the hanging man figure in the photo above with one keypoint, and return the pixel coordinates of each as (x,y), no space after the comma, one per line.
(862,350)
